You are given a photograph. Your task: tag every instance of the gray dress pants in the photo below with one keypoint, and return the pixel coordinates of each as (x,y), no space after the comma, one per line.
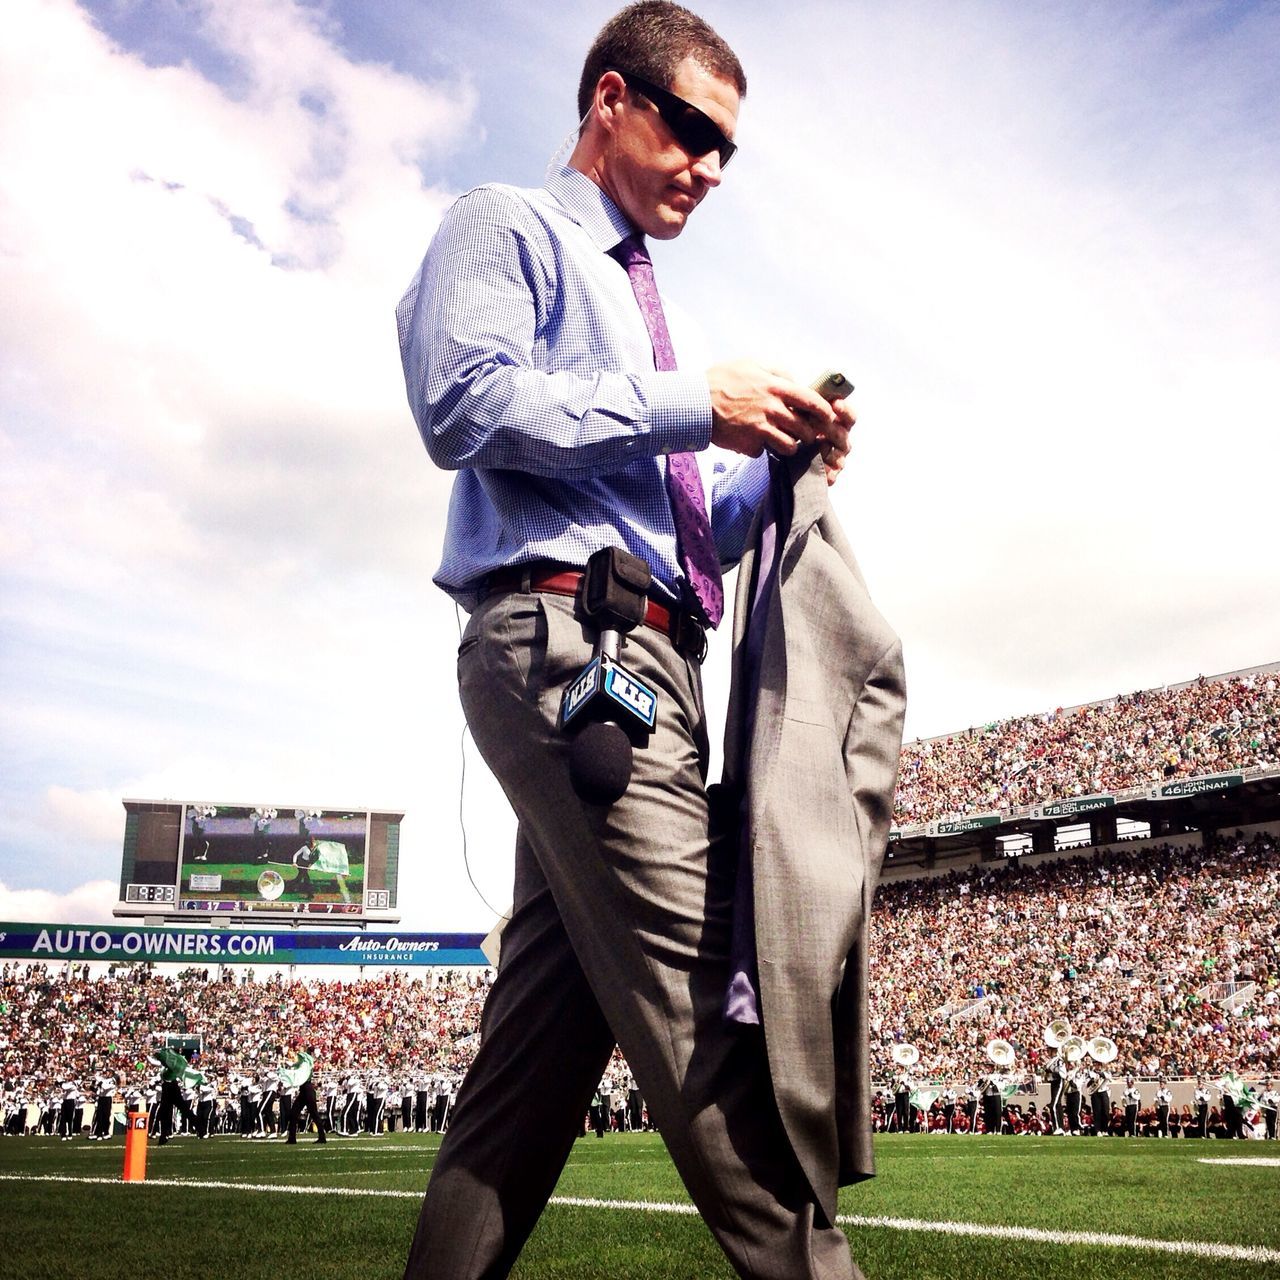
(620,931)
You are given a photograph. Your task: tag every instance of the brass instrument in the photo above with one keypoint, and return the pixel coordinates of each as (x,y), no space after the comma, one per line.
(1001,1053)
(1102,1049)
(1056,1032)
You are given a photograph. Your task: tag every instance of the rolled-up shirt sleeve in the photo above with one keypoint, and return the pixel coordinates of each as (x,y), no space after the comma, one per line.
(488,384)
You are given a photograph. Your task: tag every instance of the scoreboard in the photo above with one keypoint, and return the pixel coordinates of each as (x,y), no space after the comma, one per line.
(259,863)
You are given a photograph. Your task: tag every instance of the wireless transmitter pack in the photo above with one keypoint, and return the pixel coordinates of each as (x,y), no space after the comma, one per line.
(607,708)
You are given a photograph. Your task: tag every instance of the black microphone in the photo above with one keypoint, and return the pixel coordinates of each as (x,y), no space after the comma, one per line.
(607,707)
(600,762)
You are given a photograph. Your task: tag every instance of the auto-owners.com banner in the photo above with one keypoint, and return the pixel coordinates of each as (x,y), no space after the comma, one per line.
(227,946)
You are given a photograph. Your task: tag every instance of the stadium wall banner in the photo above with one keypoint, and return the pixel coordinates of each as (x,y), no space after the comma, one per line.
(1077,804)
(226,946)
(1195,786)
(958,826)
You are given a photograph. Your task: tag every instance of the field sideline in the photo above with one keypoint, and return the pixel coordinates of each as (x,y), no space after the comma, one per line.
(956,1207)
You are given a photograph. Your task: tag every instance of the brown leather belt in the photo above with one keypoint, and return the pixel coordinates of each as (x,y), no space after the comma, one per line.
(684,630)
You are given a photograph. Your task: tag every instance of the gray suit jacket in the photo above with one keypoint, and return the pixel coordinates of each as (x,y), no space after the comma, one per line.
(823,762)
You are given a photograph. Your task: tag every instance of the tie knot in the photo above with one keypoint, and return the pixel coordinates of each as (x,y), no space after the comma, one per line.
(631,252)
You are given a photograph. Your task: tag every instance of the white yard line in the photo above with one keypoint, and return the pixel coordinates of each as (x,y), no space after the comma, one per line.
(1188,1248)
(1264,1162)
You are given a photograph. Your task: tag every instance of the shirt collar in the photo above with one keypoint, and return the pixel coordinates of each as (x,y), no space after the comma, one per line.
(590,207)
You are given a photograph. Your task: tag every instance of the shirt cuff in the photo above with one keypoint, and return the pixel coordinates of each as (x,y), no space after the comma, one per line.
(679,412)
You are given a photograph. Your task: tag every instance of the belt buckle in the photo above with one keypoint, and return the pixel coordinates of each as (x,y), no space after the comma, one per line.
(688,635)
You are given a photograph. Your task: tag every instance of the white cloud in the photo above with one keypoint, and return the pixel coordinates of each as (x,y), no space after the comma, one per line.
(161,339)
(81,815)
(88,903)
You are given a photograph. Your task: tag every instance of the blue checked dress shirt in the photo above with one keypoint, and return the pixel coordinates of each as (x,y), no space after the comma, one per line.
(530,373)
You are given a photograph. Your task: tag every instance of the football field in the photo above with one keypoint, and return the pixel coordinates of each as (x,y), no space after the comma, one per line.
(953,1207)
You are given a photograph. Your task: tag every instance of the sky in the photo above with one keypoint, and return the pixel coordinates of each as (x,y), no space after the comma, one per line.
(1043,240)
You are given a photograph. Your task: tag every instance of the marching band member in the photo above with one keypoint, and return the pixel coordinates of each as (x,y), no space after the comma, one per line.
(408,1090)
(992,1101)
(1202,1108)
(949,1109)
(973,1105)
(297,1077)
(1270,1107)
(1229,1111)
(1074,1078)
(206,1107)
(256,1127)
(422,1097)
(104,1088)
(1132,1099)
(1100,1101)
(269,1091)
(133,1098)
(905,1056)
(1164,1099)
(1058,1071)
(68,1102)
(351,1109)
(375,1102)
(902,1087)
(331,1091)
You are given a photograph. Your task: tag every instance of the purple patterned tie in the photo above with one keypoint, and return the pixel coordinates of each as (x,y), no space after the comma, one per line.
(698,552)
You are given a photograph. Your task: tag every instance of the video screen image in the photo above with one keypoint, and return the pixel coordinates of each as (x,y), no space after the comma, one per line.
(236,858)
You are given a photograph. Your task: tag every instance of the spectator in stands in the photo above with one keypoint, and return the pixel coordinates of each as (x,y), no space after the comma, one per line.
(1206,726)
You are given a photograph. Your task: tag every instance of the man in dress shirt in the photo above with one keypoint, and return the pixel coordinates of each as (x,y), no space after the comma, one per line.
(539,370)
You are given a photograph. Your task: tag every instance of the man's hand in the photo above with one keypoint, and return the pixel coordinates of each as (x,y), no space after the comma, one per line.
(754,407)
(833,453)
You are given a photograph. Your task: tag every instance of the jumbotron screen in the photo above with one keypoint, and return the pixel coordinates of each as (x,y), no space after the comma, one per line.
(259,862)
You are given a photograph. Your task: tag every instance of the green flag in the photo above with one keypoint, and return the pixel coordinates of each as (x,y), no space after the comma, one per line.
(298,1072)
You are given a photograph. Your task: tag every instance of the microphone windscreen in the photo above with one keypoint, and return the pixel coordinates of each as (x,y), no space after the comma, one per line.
(600,763)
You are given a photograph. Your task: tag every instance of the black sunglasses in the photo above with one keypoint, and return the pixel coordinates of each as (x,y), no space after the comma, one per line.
(694,130)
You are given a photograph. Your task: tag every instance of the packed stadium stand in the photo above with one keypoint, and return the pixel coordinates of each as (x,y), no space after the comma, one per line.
(1169,944)
(1205,726)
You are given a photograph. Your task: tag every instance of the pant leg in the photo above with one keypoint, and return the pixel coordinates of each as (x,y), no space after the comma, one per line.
(544,1044)
(644,896)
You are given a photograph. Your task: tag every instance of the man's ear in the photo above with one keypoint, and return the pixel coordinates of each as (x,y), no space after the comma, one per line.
(610,95)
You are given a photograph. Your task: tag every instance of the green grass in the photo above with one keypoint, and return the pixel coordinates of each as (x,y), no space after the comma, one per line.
(240,880)
(1147,1188)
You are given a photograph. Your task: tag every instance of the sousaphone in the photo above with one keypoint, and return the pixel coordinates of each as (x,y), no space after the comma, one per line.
(1102,1049)
(1072,1049)
(1056,1032)
(905,1055)
(1001,1053)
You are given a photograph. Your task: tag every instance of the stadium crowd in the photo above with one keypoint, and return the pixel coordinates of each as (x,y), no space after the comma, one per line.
(1208,726)
(1121,943)
(1145,945)
(377,1040)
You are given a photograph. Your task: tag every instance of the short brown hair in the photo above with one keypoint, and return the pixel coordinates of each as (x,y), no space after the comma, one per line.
(652,38)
